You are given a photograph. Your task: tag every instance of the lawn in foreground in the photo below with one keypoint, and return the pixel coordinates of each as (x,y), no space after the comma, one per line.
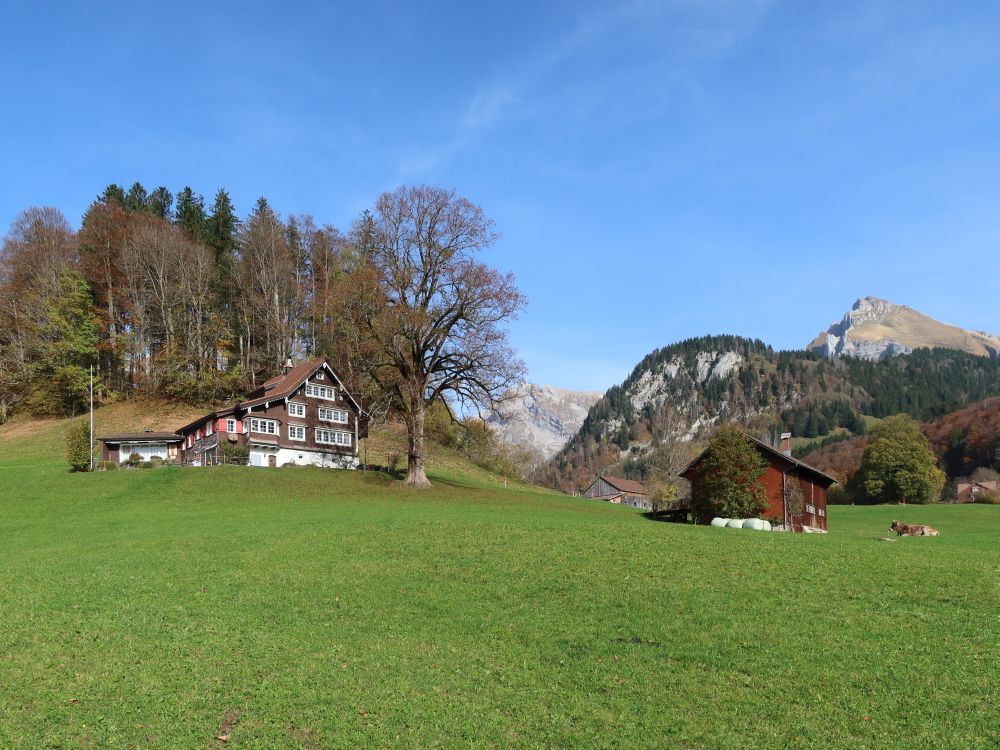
(317,609)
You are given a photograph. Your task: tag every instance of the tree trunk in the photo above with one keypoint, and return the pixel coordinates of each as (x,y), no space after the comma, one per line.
(416,475)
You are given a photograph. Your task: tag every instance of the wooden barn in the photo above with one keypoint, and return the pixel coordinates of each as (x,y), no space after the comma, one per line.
(782,468)
(620,491)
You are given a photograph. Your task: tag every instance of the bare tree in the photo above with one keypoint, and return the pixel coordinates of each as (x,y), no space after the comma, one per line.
(430,315)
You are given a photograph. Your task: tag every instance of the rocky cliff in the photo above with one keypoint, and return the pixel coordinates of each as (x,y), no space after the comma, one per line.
(542,418)
(876,329)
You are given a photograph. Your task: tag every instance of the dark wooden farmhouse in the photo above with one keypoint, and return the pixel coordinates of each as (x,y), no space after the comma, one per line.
(966,491)
(304,416)
(782,469)
(619,491)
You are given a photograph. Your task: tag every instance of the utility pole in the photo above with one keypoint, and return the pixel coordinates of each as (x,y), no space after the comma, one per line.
(91,418)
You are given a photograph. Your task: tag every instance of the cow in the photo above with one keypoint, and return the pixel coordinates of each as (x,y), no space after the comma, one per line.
(913,529)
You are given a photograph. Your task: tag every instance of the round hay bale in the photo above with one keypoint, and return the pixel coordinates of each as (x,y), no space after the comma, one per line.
(735,523)
(720,522)
(754,523)
(767,526)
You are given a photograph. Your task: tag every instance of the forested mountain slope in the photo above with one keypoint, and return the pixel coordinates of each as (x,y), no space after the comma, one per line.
(964,440)
(681,391)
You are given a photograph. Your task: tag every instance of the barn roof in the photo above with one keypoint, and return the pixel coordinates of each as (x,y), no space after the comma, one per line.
(774,452)
(624,485)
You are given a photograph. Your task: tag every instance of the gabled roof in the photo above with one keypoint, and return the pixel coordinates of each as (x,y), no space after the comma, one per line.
(282,386)
(141,437)
(774,452)
(625,485)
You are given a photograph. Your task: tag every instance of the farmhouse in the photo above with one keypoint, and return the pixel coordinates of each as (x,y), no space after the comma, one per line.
(304,416)
(967,491)
(619,491)
(782,469)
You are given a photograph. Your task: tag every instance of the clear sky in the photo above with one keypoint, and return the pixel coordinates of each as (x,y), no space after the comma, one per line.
(657,170)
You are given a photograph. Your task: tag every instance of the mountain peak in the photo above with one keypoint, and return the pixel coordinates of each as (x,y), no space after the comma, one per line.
(876,328)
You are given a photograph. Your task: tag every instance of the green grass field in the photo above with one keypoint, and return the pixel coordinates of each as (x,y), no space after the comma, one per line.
(300,608)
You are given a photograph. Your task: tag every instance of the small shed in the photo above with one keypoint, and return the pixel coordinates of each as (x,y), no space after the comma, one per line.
(619,491)
(967,491)
(120,445)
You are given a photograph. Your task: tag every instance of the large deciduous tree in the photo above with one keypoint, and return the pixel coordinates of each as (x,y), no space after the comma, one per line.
(898,464)
(429,314)
(730,478)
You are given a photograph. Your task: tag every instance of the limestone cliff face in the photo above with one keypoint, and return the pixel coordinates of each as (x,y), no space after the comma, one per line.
(876,329)
(542,418)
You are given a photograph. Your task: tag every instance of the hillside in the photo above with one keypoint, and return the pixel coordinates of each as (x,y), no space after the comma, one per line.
(543,418)
(310,608)
(680,392)
(42,441)
(876,328)
(963,441)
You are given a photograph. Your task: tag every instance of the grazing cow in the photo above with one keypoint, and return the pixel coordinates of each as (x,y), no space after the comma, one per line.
(913,529)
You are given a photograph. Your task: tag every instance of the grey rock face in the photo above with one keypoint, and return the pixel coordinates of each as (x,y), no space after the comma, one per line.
(543,418)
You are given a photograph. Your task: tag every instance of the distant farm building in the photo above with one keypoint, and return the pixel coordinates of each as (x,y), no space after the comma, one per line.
(120,446)
(620,492)
(781,469)
(967,491)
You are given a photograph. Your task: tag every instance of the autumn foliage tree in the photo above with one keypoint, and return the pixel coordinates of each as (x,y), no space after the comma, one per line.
(430,316)
(898,464)
(730,477)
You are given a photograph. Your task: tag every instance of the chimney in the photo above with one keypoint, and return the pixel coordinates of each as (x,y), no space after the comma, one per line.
(786,443)
(288,366)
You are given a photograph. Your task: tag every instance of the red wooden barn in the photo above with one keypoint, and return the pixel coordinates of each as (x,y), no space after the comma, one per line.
(782,468)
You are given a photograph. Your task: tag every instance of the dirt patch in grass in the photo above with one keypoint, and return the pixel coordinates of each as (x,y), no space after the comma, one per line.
(227,724)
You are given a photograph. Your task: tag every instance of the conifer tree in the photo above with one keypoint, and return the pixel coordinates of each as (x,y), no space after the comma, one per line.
(189,214)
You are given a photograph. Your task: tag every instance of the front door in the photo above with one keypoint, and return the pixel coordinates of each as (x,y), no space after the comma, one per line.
(272,460)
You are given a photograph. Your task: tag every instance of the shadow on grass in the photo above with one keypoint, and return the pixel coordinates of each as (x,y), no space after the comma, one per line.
(678,515)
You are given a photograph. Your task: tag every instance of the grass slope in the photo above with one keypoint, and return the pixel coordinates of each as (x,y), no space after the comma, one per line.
(304,608)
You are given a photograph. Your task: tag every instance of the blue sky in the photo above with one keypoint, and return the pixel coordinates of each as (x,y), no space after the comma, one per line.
(657,170)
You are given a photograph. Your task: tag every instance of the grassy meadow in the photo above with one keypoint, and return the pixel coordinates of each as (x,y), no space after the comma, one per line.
(307,608)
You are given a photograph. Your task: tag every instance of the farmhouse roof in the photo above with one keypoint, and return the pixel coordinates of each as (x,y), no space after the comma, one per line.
(774,452)
(141,437)
(282,386)
(626,485)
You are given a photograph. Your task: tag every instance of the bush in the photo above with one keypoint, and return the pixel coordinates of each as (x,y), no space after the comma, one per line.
(108,466)
(78,446)
(231,454)
(145,464)
(394,460)
(156,461)
(990,497)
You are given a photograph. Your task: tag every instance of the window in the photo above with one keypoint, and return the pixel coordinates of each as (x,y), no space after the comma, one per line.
(208,428)
(230,425)
(332,415)
(810,509)
(333,437)
(296,410)
(319,376)
(320,391)
(268,426)
(296,432)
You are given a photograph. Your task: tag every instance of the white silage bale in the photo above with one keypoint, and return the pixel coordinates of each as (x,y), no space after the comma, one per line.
(735,523)
(720,522)
(754,523)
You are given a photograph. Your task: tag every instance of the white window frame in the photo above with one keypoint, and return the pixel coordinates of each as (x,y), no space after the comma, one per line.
(296,409)
(320,376)
(270,426)
(209,426)
(299,428)
(319,391)
(331,415)
(230,425)
(334,437)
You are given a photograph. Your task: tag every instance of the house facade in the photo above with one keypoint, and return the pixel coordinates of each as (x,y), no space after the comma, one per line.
(966,491)
(305,416)
(619,491)
(782,469)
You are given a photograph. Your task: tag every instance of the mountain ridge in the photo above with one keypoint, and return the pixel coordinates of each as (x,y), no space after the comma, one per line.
(876,328)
